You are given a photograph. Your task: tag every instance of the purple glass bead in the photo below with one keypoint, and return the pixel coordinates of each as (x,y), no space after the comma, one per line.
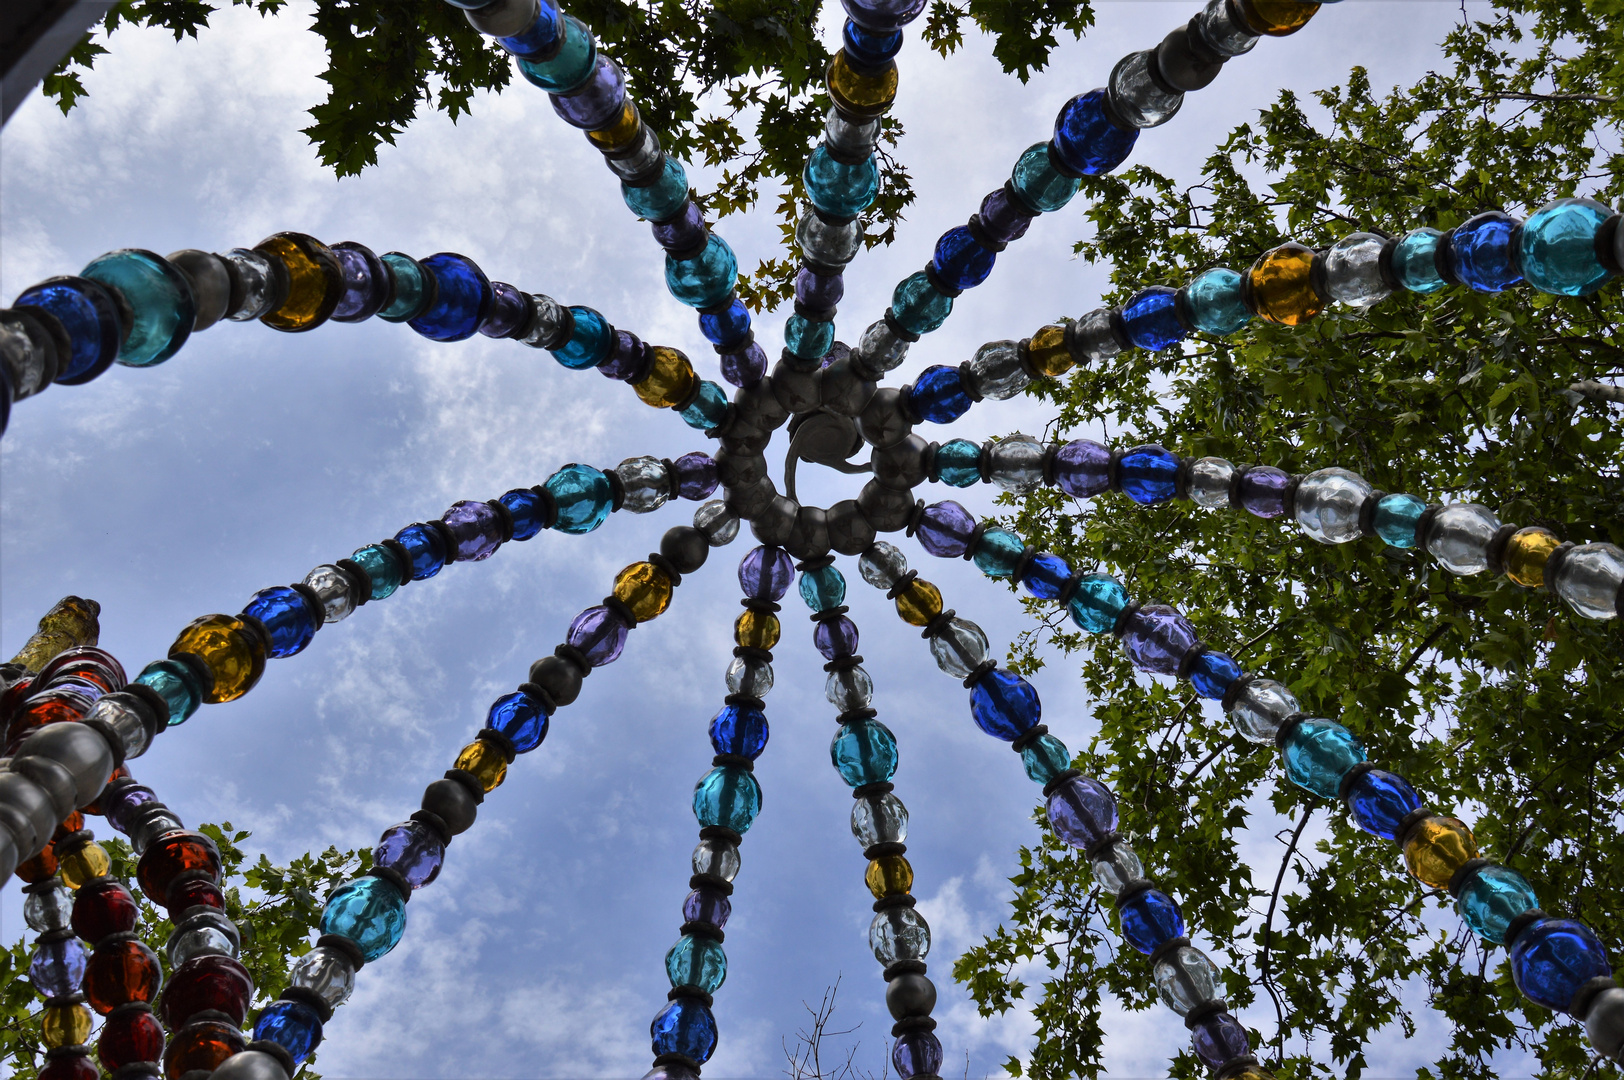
(510,311)
(599,634)
(58,967)
(683,233)
(817,291)
(765,573)
(1263,491)
(1082,811)
(917,1053)
(628,358)
(1157,638)
(744,367)
(596,103)
(366,283)
(125,803)
(412,851)
(694,476)
(1083,468)
(707,905)
(835,637)
(945,528)
(1005,219)
(1218,1040)
(475,530)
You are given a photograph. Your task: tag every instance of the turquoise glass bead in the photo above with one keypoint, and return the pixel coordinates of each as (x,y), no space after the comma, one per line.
(1045,758)
(1212,303)
(1396,517)
(176,684)
(370,912)
(1097,603)
(998,553)
(568,68)
(661,200)
(696,961)
(706,280)
(589,342)
(958,463)
(159,300)
(1559,247)
(824,588)
(837,189)
(917,306)
(864,752)
(1415,261)
(1491,898)
(1319,754)
(727,795)
(382,567)
(583,497)
(708,409)
(808,338)
(1038,184)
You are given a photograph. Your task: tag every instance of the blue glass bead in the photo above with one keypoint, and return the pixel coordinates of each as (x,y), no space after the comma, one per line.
(960,261)
(370,912)
(704,281)
(520,719)
(1151,919)
(570,66)
(864,752)
(1082,811)
(1379,800)
(808,338)
(1396,518)
(868,48)
(1088,142)
(1415,261)
(412,850)
(589,342)
(958,463)
(425,548)
(1149,474)
(1046,574)
(727,796)
(1045,758)
(58,967)
(176,683)
(696,961)
(664,198)
(1552,958)
(159,301)
(1213,673)
(883,16)
(526,509)
(287,617)
(1559,247)
(461,303)
(382,568)
(1485,252)
(728,326)
(597,102)
(708,409)
(1004,705)
(739,729)
(1319,754)
(582,496)
(823,588)
(541,37)
(765,573)
(1097,603)
(938,396)
(1491,898)
(292,1025)
(837,189)
(917,306)
(685,1027)
(1038,184)
(916,1053)
(1213,303)
(835,637)
(998,553)
(88,313)
(1151,319)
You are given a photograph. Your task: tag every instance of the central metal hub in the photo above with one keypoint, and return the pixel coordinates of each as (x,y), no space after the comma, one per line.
(823,438)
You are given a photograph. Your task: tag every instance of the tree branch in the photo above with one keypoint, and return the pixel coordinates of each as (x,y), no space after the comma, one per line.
(1268,930)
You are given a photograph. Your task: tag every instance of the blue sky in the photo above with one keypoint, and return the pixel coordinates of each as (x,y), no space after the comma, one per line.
(252,456)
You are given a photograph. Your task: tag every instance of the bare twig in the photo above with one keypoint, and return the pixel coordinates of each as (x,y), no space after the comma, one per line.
(1268,930)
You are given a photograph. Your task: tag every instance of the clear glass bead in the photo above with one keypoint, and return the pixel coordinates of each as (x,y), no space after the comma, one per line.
(849,689)
(879,819)
(999,373)
(204,933)
(1328,505)
(126,723)
(882,565)
(716,858)
(1185,979)
(1353,270)
(326,973)
(24,361)
(719,524)
(1016,463)
(1459,537)
(547,323)
(332,585)
(645,482)
(899,933)
(1135,95)
(1116,866)
(830,245)
(1589,579)
(1261,708)
(641,158)
(880,347)
(151,828)
(1221,33)
(849,139)
(1094,337)
(960,648)
(749,676)
(49,909)
(1210,478)
(259,290)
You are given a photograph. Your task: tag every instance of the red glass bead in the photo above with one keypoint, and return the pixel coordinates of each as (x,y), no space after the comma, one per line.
(171,855)
(120,773)
(14,694)
(192,893)
(120,972)
(210,981)
(101,908)
(88,663)
(75,1067)
(48,707)
(203,1045)
(38,868)
(129,1036)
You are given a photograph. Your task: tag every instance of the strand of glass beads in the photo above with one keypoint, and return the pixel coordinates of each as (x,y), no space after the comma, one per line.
(219,658)
(138,308)
(1082,811)
(1557,963)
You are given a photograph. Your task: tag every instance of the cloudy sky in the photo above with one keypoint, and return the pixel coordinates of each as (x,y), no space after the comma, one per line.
(252,456)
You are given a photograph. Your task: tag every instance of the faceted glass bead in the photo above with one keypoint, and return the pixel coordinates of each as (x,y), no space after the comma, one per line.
(1088,142)
(831,244)
(197,892)
(882,565)
(645,589)
(620,132)
(864,752)
(1157,638)
(599,100)
(1097,603)
(879,819)
(1396,518)
(287,616)
(899,933)
(52,908)
(916,1053)
(823,588)
(888,875)
(1082,811)
(206,982)
(1551,959)
(1526,555)
(707,905)
(740,730)
(208,932)
(1436,848)
(686,1027)
(838,189)
(663,199)
(1116,865)
(709,407)
(670,378)
(729,326)
(1491,898)
(1558,251)
(414,288)
(1046,575)
(1045,758)
(849,688)
(1260,710)
(292,1025)
(475,531)
(315,281)
(860,93)
(64,1025)
(366,283)
(707,279)
(1589,579)
(1414,261)
(566,68)
(835,637)
(938,395)
(1149,474)
(1263,491)
(694,476)
(1213,673)
(1484,252)
(1214,302)
(370,912)
(945,529)
(765,573)
(917,306)
(1218,1040)
(867,47)
(234,657)
(1137,96)
(58,968)
(324,972)
(727,796)
(124,1040)
(959,648)
(1353,270)
(1004,705)
(1328,505)
(1015,463)
(716,858)
(88,313)
(84,863)
(1047,352)
(1037,183)
(425,549)
(120,972)
(1282,285)
(1150,319)
(719,524)
(998,553)
(382,568)
(583,498)
(958,463)
(204,1045)
(1277,18)
(1185,979)
(159,300)
(961,262)
(1082,468)
(998,372)
(756,630)
(484,762)
(696,961)
(1006,219)
(919,602)
(172,854)
(589,340)
(1380,800)
(1318,754)
(332,587)
(1459,537)
(749,676)
(261,284)
(1151,919)
(412,850)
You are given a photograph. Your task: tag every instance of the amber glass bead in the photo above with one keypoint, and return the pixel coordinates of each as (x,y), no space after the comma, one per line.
(1252,1072)
(94,807)
(72,823)
(209,981)
(644,588)
(120,972)
(888,875)
(64,1025)
(315,281)
(87,862)
(1526,555)
(1047,352)
(861,95)
(1277,18)
(619,133)
(103,907)
(1282,286)
(919,603)
(131,1036)
(170,856)
(79,1066)
(1436,848)
(756,630)
(233,654)
(68,625)
(38,868)
(669,381)
(484,762)
(203,1045)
